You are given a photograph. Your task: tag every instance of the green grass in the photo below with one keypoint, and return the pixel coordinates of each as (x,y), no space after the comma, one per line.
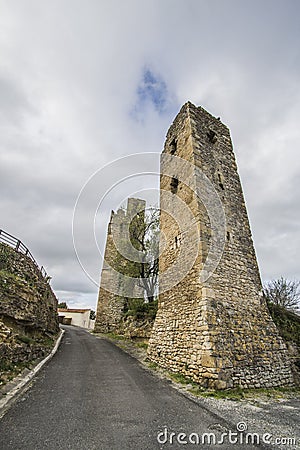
(152,365)
(6,366)
(232,394)
(179,378)
(117,337)
(120,337)
(25,339)
(143,345)
(48,342)
(245,394)
(138,309)
(7,279)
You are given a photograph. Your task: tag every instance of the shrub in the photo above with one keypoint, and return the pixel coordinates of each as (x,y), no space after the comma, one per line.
(140,310)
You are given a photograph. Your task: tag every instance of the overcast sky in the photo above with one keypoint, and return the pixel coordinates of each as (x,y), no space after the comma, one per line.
(83,83)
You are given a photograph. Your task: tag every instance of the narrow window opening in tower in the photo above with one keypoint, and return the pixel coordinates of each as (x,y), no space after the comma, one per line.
(173,147)
(228,235)
(212,136)
(220,181)
(174,185)
(119,282)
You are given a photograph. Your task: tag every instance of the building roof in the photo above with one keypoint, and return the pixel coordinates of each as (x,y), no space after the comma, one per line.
(72,310)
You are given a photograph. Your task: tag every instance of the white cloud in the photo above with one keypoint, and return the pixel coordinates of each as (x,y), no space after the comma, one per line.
(71,74)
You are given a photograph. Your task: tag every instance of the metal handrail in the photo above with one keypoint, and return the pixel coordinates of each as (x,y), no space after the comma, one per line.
(18,245)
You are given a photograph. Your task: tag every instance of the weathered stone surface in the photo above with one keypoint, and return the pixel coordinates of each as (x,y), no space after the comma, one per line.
(218,331)
(134,328)
(28,309)
(110,307)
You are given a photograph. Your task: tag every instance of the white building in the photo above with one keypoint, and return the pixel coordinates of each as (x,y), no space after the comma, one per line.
(77,317)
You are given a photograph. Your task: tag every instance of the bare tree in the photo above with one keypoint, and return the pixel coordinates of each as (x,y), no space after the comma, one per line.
(147,238)
(144,237)
(284,293)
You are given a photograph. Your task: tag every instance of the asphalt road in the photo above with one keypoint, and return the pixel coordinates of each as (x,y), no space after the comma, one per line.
(94,396)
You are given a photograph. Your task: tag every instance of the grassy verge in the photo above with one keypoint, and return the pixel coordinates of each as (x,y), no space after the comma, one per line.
(114,336)
(247,394)
(130,342)
(195,389)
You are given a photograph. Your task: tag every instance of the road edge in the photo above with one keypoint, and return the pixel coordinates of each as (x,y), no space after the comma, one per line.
(10,396)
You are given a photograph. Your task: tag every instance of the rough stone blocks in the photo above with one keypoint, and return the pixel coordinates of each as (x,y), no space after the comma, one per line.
(212,324)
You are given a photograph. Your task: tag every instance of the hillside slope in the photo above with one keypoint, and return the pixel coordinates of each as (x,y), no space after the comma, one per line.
(28,312)
(288,324)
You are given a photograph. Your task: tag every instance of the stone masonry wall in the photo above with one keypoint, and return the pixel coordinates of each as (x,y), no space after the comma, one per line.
(110,307)
(217,331)
(28,309)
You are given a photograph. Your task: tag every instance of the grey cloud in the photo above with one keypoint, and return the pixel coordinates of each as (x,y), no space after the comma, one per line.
(70,78)
(14,103)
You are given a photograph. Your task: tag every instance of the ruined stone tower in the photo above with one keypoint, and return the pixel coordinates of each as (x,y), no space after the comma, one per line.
(214,325)
(111,302)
